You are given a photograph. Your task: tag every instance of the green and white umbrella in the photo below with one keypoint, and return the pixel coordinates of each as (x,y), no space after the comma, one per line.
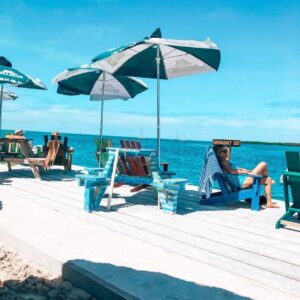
(160,58)
(8,95)
(99,85)
(9,75)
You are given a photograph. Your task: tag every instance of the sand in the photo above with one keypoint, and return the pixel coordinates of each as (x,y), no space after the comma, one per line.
(21,278)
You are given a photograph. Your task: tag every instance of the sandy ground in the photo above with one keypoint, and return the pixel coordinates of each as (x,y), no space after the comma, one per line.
(21,278)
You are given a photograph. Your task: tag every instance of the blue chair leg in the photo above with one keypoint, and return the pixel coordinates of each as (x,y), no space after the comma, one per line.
(255,195)
(168,198)
(89,199)
(81,182)
(100,195)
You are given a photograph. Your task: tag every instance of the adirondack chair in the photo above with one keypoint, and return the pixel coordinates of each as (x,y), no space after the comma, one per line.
(227,194)
(98,179)
(167,189)
(65,153)
(49,160)
(96,183)
(138,166)
(291,178)
(104,154)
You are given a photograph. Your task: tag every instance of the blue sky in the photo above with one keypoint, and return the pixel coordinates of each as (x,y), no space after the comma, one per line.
(255,95)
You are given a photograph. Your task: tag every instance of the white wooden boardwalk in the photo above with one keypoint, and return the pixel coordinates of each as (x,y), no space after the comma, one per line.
(137,251)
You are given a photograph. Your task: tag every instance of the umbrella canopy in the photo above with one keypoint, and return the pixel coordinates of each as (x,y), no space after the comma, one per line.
(5,62)
(9,75)
(12,76)
(99,85)
(89,81)
(8,95)
(160,58)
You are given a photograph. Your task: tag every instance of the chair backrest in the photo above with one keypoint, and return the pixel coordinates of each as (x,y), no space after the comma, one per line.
(154,167)
(108,168)
(293,161)
(212,169)
(130,144)
(135,166)
(104,155)
(53,137)
(105,143)
(53,146)
(293,165)
(65,143)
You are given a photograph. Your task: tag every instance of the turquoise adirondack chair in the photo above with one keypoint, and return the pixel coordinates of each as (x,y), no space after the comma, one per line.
(96,182)
(227,194)
(167,189)
(98,179)
(291,178)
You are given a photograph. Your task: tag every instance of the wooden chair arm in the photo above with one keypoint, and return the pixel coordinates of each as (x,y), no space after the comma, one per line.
(291,174)
(165,166)
(250,175)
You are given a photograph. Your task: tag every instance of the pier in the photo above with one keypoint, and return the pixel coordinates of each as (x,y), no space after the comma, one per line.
(136,251)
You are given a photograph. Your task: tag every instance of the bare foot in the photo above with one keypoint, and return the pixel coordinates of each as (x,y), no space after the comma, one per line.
(272,205)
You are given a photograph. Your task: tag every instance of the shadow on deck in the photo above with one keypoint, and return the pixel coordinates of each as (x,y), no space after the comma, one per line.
(188,202)
(137,284)
(56,174)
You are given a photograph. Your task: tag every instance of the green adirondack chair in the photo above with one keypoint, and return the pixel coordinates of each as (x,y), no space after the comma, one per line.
(104,154)
(291,178)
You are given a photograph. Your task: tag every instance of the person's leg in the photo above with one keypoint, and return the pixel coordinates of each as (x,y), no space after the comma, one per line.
(267,181)
(261,169)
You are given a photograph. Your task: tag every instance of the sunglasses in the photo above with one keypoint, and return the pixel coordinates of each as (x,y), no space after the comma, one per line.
(224,151)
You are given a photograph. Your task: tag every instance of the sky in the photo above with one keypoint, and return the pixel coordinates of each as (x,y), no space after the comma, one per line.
(255,95)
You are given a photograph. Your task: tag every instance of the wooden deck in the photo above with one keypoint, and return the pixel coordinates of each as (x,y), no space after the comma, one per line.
(137,251)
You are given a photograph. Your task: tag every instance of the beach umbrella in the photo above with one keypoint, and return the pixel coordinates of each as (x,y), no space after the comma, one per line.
(9,75)
(160,58)
(8,95)
(99,85)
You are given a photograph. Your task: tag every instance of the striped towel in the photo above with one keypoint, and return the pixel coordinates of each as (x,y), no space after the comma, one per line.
(210,167)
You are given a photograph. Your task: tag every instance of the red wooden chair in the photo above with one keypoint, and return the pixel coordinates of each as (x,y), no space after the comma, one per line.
(134,166)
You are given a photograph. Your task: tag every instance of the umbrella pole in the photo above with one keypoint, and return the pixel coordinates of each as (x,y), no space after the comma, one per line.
(101,120)
(158,103)
(1,99)
(101,131)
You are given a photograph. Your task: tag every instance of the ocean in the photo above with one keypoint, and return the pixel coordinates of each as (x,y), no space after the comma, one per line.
(185,157)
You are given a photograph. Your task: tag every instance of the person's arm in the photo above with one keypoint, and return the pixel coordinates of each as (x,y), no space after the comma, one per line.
(228,169)
(244,170)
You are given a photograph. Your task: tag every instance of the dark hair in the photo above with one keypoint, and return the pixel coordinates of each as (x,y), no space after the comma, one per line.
(217,148)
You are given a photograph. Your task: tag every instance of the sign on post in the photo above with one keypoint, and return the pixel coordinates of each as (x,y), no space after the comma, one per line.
(229,143)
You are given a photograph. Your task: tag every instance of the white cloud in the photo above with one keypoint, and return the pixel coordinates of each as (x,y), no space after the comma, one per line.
(66,118)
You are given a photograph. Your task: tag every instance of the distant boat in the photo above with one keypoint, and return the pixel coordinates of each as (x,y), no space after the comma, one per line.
(180,138)
(141,134)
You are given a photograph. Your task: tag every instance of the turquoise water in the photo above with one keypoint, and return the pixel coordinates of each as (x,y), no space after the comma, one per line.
(185,157)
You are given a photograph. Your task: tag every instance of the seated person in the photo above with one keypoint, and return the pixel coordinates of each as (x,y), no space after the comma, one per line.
(55,135)
(19,132)
(237,177)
